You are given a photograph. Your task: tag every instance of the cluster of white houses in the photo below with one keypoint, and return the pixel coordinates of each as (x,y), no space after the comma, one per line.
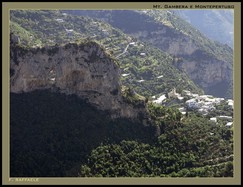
(201,103)
(228,118)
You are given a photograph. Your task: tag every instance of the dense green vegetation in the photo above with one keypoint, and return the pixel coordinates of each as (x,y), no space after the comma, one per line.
(186,148)
(133,159)
(54,135)
(26,36)
(58,135)
(223,109)
(46,29)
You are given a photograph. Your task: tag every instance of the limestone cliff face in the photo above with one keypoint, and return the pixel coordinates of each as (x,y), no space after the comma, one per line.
(173,35)
(168,40)
(212,74)
(208,64)
(85,70)
(206,70)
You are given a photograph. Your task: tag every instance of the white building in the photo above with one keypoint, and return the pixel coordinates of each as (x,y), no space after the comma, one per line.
(132,43)
(230,103)
(194,95)
(160,76)
(229,124)
(214,119)
(160,99)
(182,110)
(187,92)
(225,117)
(210,100)
(209,96)
(125,74)
(203,111)
(218,100)
(203,97)
(192,103)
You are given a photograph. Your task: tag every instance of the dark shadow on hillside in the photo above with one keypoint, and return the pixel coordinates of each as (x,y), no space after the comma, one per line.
(51,133)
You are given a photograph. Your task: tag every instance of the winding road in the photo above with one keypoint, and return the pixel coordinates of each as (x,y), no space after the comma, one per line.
(124,51)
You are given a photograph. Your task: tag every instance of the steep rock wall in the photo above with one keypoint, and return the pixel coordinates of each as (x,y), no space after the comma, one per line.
(85,70)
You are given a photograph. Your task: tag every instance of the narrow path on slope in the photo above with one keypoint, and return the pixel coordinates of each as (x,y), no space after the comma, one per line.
(124,51)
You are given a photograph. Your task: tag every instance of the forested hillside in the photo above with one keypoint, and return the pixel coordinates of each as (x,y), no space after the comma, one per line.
(85,90)
(53,135)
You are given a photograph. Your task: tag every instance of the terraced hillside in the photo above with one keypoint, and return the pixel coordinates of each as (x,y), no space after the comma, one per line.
(145,68)
(208,63)
(72,116)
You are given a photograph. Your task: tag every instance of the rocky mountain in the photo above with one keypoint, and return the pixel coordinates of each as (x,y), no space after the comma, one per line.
(209,64)
(71,113)
(217,25)
(75,87)
(85,70)
(145,68)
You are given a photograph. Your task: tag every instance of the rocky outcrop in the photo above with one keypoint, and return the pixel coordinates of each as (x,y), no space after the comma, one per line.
(205,69)
(82,69)
(168,40)
(212,74)
(208,64)
(215,72)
